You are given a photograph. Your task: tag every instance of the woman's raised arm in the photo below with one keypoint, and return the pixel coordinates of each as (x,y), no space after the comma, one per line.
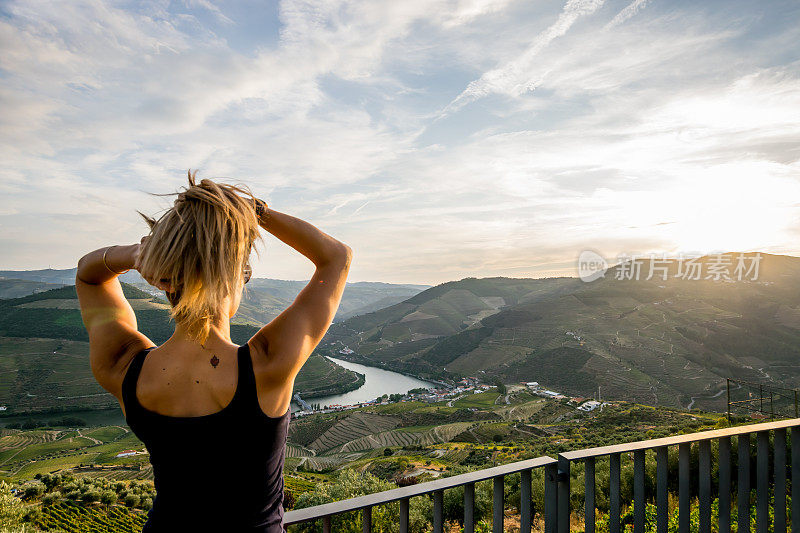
(288,340)
(107,315)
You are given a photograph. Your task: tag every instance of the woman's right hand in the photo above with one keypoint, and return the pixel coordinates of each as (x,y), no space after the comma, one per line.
(149,277)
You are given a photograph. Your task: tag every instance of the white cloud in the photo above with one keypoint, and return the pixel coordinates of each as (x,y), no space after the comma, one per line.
(516,77)
(629,11)
(334,117)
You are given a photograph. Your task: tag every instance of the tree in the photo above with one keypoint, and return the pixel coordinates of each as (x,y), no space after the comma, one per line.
(387,452)
(11,511)
(501,388)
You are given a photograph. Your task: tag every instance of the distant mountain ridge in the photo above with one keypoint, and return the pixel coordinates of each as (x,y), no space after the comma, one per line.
(263,300)
(669,342)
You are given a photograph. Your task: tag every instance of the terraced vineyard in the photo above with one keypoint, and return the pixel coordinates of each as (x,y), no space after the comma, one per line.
(72,517)
(402,437)
(17,439)
(405,442)
(359,424)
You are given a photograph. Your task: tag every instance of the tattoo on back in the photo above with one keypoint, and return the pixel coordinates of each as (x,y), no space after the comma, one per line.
(214,361)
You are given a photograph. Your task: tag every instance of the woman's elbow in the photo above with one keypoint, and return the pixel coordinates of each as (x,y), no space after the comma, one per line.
(348,252)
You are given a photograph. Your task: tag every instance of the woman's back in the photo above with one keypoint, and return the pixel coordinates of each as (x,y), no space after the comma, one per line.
(213,415)
(215,472)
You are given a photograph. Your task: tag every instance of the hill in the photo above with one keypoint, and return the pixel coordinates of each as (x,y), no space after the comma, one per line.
(263,299)
(16,288)
(661,342)
(44,352)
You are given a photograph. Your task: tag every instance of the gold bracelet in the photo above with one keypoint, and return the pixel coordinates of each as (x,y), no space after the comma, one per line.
(106,264)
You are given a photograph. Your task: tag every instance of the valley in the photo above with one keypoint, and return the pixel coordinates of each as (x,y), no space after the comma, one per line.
(516,364)
(661,342)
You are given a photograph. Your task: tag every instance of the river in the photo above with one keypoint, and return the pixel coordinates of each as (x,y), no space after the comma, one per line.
(377,382)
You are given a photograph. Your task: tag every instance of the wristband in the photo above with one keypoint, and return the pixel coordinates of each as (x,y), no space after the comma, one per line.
(106,263)
(262,211)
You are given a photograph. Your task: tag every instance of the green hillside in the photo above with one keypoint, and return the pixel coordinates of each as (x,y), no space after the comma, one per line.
(44,352)
(657,342)
(16,288)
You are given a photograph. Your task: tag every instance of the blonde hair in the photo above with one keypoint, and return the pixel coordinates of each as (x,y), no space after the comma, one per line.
(202,245)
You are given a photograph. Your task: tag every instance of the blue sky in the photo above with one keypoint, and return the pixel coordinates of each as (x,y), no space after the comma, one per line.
(439,139)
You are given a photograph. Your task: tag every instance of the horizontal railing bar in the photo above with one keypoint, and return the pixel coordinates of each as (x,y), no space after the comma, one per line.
(678,439)
(388,496)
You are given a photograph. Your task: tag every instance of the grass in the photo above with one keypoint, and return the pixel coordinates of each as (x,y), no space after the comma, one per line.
(43,466)
(482,400)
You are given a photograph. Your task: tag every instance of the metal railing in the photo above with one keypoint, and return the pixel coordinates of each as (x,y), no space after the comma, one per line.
(704,489)
(437,488)
(557,486)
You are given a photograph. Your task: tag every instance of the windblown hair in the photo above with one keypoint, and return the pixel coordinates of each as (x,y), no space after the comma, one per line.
(201,245)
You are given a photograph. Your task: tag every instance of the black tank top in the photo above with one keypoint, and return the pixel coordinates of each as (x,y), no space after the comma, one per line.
(219,472)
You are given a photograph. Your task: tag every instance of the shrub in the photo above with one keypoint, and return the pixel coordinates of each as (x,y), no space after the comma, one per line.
(108,497)
(91,496)
(33,490)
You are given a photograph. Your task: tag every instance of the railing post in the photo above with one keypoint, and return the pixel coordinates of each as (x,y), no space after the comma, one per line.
(525,502)
(438,511)
(326,524)
(404,507)
(704,485)
(563,495)
(589,491)
(725,485)
(780,481)
(367,520)
(613,497)
(662,489)
(743,480)
(683,486)
(638,491)
(762,482)
(795,436)
(469,508)
(550,498)
(728,388)
(498,486)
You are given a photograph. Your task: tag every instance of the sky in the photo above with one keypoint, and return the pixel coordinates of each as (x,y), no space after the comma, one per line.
(439,139)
